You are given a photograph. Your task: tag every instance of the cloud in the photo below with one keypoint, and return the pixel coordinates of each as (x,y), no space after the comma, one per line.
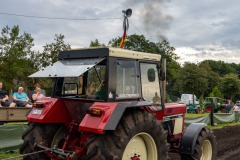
(198,30)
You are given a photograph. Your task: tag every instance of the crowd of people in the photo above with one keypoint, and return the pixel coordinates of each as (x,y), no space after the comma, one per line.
(20,98)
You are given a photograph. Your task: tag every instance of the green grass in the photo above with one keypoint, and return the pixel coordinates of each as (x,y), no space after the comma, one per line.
(8,154)
(194,115)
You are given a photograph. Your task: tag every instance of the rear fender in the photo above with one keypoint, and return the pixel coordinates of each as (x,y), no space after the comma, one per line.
(54,111)
(111,115)
(189,138)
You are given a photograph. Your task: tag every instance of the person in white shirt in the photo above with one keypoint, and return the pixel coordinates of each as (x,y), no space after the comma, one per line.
(236,108)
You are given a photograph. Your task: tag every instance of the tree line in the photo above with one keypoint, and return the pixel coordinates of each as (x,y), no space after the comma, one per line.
(18,60)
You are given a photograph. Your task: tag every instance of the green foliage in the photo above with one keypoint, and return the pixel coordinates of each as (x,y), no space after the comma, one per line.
(216,93)
(50,51)
(15,53)
(96,43)
(230,85)
(201,102)
(192,79)
(221,67)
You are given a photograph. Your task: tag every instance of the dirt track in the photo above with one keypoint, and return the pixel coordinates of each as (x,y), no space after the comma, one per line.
(228,144)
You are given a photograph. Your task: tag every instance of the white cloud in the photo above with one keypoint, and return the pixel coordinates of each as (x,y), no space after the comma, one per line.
(208,29)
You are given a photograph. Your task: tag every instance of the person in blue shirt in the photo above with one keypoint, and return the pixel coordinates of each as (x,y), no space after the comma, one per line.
(21,99)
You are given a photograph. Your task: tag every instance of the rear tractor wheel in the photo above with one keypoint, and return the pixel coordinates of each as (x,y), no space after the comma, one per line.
(138,136)
(35,134)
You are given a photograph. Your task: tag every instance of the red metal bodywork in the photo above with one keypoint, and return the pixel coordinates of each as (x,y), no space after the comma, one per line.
(97,124)
(174,109)
(54,111)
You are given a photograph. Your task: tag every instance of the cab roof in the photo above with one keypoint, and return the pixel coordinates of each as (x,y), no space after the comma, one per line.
(106,52)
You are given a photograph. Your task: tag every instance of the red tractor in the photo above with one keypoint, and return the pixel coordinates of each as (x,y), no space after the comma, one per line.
(123,119)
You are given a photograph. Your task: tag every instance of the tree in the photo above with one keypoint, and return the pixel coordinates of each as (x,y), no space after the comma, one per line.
(216,93)
(221,67)
(15,53)
(50,51)
(213,77)
(230,85)
(192,79)
(96,43)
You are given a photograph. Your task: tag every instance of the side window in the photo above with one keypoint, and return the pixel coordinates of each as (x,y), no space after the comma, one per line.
(127,79)
(150,82)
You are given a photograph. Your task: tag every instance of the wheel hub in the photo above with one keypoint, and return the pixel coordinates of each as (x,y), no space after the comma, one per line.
(135,158)
(140,147)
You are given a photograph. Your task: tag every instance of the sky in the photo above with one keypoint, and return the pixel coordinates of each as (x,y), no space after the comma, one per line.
(199,30)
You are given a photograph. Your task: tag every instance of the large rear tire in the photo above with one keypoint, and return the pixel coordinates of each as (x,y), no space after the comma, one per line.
(138,136)
(35,134)
(205,148)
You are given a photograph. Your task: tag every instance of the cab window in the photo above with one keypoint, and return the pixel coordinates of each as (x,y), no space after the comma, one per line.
(127,79)
(150,83)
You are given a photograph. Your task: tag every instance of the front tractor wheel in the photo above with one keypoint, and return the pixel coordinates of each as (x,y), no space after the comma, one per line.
(138,136)
(205,149)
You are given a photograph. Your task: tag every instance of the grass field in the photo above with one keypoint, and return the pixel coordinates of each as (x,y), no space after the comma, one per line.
(194,115)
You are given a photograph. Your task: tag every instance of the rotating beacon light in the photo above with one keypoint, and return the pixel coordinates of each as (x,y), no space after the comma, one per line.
(126,13)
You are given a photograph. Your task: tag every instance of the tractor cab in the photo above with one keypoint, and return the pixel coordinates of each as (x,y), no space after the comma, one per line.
(105,74)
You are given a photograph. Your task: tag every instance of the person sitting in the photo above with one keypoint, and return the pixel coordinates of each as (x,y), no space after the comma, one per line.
(38,95)
(21,99)
(4,98)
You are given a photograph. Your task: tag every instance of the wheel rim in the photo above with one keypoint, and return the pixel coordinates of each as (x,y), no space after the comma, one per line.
(58,138)
(206,150)
(141,147)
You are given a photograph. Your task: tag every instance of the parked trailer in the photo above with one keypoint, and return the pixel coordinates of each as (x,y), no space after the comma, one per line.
(13,114)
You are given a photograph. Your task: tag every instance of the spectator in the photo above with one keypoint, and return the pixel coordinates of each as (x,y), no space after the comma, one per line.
(4,98)
(37,84)
(38,95)
(21,99)
(236,108)
(229,107)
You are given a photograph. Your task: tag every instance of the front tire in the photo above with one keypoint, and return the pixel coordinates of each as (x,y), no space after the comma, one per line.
(205,148)
(138,135)
(35,134)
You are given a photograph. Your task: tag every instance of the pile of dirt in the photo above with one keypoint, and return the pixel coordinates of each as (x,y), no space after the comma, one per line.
(228,143)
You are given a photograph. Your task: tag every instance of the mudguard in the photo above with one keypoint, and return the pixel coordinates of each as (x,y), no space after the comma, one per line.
(189,138)
(54,111)
(112,114)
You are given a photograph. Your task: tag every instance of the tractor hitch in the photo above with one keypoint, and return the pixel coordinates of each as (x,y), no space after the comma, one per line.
(58,153)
